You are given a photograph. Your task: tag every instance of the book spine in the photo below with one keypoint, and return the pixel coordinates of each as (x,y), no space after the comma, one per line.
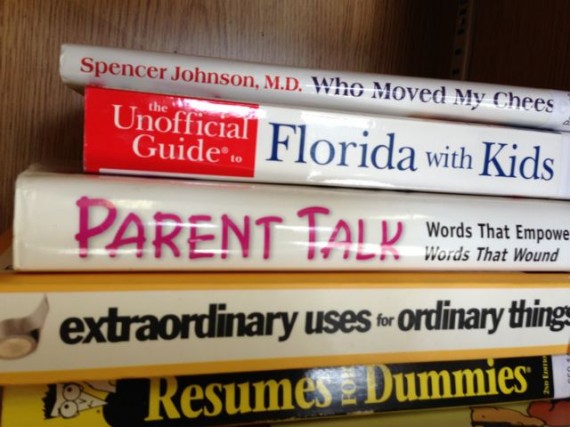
(89,222)
(55,333)
(144,133)
(363,92)
(285,395)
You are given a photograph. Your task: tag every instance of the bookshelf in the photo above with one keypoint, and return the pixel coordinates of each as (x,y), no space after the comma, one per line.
(516,42)
(521,42)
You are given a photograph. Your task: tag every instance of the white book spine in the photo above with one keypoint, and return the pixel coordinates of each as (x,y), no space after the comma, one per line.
(81,222)
(136,330)
(395,95)
(131,132)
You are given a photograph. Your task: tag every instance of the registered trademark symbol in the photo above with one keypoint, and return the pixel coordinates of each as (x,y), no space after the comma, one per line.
(225,150)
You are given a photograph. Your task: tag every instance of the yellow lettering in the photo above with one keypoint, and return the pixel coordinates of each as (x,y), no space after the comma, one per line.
(505,376)
(242,407)
(274,389)
(348,386)
(325,393)
(372,387)
(214,399)
(191,393)
(520,372)
(470,382)
(492,376)
(410,385)
(156,400)
(434,381)
(305,385)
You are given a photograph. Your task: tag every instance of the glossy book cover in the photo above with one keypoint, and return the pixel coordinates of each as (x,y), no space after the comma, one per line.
(137,133)
(294,394)
(75,327)
(82,222)
(162,72)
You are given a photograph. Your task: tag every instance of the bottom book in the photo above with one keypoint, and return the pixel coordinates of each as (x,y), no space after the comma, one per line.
(551,413)
(304,394)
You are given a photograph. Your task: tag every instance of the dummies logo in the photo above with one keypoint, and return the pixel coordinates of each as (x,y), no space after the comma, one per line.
(330,391)
(266,396)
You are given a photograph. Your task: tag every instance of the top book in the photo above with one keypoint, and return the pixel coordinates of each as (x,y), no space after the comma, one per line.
(167,73)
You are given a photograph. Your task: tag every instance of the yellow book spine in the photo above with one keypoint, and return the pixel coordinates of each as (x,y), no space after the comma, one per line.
(399,393)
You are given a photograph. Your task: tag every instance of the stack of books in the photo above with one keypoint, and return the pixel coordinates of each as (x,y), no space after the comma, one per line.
(247,243)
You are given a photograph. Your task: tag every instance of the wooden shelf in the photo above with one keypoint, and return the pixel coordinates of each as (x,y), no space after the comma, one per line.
(513,41)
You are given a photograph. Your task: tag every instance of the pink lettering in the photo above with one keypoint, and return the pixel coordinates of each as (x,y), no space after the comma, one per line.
(387,244)
(195,238)
(85,232)
(311,213)
(225,236)
(166,239)
(242,236)
(266,222)
(333,243)
(120,239)
(360,255)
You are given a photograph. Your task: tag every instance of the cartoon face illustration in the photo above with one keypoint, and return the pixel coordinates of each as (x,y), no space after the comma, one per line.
(67,400)
(540,413)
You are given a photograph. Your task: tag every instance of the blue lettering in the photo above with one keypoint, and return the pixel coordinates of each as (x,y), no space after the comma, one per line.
(292,139)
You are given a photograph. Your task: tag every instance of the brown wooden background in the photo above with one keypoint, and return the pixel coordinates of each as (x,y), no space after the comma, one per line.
(524,42)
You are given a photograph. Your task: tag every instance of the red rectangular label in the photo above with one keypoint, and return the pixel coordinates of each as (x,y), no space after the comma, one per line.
(164,134)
